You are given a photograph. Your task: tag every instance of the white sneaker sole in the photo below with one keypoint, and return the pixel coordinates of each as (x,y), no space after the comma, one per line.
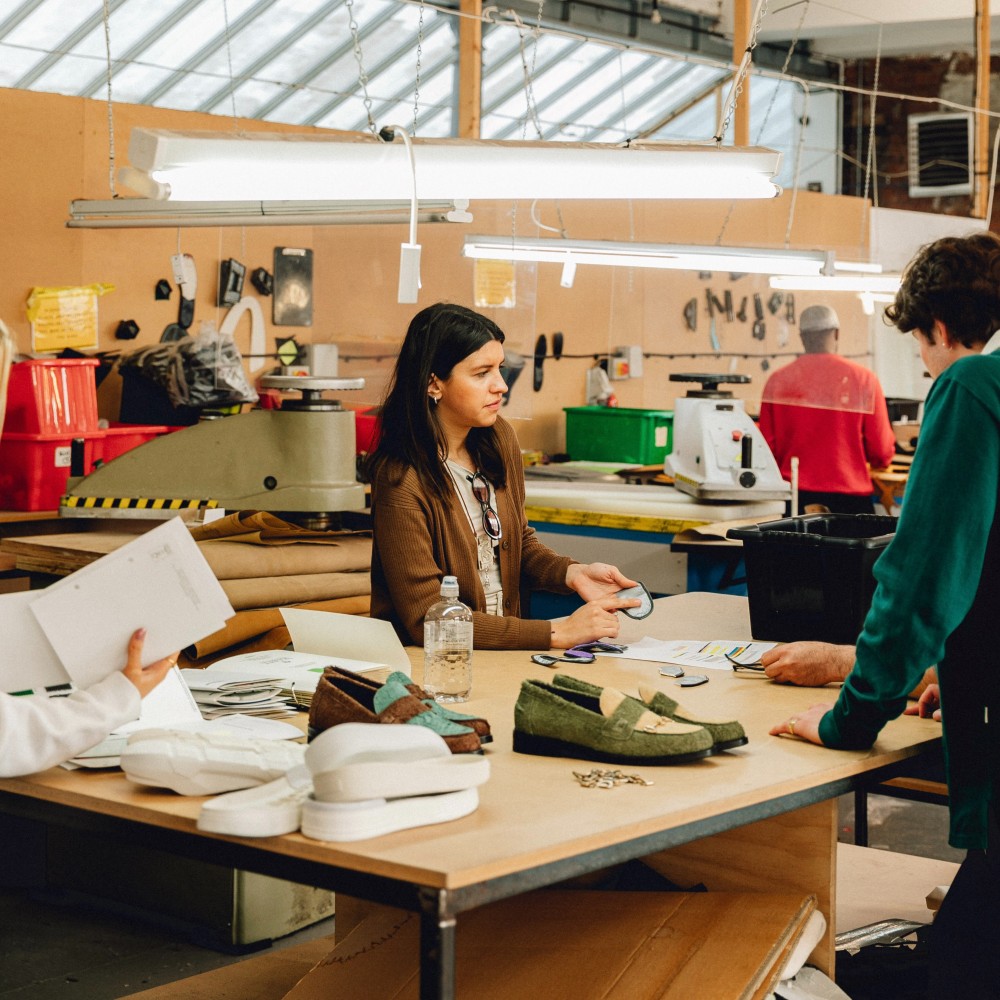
(267,811)
(199,763)
(355,762)
(346,821)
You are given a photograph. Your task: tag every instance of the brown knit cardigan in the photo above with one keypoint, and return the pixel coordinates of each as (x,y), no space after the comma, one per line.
(418,540)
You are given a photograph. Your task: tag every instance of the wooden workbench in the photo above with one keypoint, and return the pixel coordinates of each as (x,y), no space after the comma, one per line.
(761,818)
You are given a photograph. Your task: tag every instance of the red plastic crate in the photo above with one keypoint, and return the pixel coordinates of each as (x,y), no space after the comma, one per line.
(34,468)
(52,396)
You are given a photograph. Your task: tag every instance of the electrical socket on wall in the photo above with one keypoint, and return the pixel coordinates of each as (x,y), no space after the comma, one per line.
(626,362)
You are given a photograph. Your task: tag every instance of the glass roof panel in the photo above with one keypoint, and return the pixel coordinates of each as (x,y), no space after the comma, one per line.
(293,61)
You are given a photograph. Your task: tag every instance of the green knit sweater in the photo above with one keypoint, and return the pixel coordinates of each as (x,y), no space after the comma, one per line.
(418,539)
(937,599)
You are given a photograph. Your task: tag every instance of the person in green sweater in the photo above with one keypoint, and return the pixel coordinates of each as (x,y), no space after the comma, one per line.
(938,595)
(447,485)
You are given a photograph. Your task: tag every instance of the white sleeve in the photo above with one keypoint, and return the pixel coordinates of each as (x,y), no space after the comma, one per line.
(37,732)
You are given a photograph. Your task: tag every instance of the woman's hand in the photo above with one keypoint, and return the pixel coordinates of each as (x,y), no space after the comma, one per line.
(810,664)
(595,620)
(928,705)
(145,678)
(593,581)
(804,725)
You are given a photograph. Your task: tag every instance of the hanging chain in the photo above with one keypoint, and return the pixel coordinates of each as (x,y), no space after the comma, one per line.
(362,75)
(741,73)
(229,59)
(871,139)
(531,108)
(420,53)
(111,112)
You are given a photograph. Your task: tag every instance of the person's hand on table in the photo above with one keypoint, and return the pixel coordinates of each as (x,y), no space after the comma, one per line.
(145,678)
(928,705)
(594,620)
(804,725)
(593,581)
(809,664)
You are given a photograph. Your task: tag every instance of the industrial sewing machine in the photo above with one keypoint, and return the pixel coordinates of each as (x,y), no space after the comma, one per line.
(718,452)
(297,461)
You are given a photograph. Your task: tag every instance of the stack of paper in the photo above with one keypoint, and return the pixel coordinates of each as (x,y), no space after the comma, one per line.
(321,639)
(220,693)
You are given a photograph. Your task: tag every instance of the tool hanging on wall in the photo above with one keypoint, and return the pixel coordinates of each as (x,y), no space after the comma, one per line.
(557,345)
(186,279)
(691,314)
(759,329)
(541,349)
(790,308)
(231,275)
(774,302)
(728,299)
(713,303)
(741,313)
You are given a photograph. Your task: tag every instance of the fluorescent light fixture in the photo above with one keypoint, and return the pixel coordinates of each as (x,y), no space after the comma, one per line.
(857,267)
(223,166)
(887,283)
(870,299)
(146,213)
(743,260)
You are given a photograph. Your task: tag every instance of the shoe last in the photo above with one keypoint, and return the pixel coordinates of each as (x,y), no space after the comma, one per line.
(611,728)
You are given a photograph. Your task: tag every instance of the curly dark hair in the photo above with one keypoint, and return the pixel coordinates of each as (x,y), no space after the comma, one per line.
(438,338)
(955,280)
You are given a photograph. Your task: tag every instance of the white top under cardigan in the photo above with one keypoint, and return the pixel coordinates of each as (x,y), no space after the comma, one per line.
(38,732)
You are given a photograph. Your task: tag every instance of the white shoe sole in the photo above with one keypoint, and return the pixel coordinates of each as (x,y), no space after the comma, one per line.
(355,762)
(346,821)
(199,763)
(267,811)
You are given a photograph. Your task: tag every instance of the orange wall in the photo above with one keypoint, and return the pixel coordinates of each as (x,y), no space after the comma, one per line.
(56,150)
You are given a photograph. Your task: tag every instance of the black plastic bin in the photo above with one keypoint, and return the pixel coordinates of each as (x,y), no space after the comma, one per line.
(810,577)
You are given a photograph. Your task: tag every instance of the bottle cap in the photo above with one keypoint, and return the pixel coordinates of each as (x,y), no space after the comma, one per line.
(449,586)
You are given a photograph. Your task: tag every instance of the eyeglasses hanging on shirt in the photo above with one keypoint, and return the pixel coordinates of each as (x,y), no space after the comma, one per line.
(491,520)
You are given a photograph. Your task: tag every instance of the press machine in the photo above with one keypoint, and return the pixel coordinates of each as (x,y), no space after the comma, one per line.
(298,461)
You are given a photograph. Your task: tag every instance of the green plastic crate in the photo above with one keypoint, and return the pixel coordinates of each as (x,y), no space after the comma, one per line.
(618,434)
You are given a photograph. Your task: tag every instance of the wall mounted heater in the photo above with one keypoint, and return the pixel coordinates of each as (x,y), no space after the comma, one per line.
(939,150)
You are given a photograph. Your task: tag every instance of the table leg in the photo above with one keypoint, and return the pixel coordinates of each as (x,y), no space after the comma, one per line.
(437,947)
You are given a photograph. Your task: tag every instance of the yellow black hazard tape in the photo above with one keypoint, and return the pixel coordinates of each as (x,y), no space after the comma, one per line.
(599,519)
(137,503)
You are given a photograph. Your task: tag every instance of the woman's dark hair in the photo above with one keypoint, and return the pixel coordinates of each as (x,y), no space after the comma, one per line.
(438,338)
(955,280)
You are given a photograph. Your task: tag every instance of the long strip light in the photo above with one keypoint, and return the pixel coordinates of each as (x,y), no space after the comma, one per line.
(886,283)
(746,260)
(148,213)
(218,166)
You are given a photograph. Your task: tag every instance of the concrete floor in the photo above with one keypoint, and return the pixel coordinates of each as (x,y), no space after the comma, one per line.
(55,946)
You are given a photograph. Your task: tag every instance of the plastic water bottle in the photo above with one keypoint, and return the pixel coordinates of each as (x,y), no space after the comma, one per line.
(448,646)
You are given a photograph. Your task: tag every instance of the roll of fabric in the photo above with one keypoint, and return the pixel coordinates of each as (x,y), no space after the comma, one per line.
(234,560)
(258,623)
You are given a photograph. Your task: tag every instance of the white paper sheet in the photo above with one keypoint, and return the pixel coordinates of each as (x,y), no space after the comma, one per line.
(159,581)
(697,652)
(369,641)
(28,662)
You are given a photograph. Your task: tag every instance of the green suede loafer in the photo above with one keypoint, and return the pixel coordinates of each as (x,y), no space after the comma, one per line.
(726,733)
(610,728)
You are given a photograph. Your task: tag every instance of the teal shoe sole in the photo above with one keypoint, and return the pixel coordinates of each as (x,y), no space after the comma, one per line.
(547,746)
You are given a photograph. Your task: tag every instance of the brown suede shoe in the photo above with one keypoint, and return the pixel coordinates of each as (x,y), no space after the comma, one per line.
(477,724)
(340,699)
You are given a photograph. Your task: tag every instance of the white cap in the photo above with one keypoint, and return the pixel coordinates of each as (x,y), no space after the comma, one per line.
(818,318)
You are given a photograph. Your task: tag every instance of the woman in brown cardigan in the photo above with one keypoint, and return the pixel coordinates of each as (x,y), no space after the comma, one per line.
(448,498)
